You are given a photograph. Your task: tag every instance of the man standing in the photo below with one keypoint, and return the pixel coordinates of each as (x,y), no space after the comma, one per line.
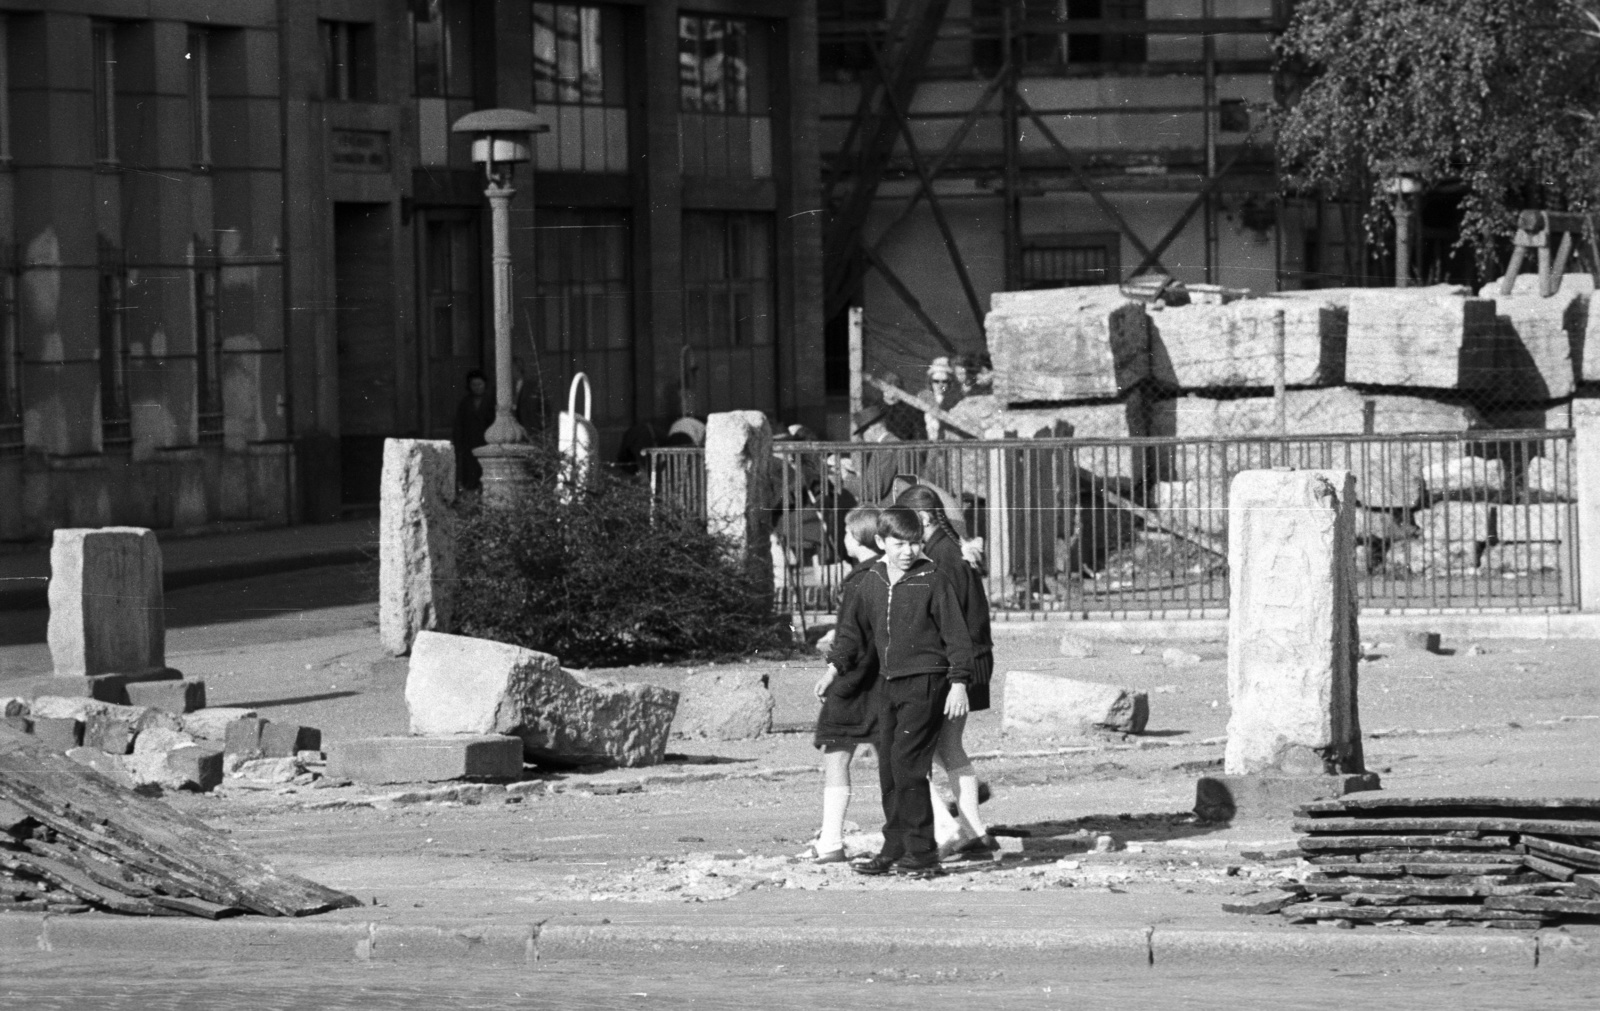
(474,415)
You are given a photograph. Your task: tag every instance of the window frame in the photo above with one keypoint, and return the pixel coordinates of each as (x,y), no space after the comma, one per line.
(205,270)
(349,61)
(116,412)
(11,406)
(199,96)
(1109,243)
(103,63)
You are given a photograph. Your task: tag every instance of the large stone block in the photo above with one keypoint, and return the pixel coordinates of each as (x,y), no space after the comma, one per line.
(1424,337)
(1292,638)
(425,759)
(1040,703)
(1540,340)
(1264,797)
(1229,346)
(1523,557)
(416,541)
(1546,521)
(1194,505)
(173,696)
(1066,344)
(212,724)
(1447,473)
(458,684)
(739,468)
(1549,477)
(724,706)
(106,610)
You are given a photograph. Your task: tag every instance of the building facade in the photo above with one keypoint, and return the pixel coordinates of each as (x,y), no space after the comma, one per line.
(241,246)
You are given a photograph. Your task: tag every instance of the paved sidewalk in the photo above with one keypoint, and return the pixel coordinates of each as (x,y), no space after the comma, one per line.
(195,559)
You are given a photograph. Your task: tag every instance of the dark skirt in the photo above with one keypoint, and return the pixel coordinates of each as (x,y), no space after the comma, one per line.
(822,741)
(978,690)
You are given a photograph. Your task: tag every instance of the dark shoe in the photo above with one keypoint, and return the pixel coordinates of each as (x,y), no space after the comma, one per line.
(984,844)
(873,866)
(983,792)
(918,867)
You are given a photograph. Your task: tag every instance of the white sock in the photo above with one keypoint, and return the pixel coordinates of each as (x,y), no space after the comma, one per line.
(945,828)
(965,782)
(835,801)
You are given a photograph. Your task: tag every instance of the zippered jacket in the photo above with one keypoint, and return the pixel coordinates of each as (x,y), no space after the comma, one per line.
(916,626)
(945,552)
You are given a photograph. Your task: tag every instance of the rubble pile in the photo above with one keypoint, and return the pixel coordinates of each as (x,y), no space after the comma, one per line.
(1447,861)
(72,839)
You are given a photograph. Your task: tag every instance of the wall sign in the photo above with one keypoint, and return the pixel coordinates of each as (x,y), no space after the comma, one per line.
(359,150)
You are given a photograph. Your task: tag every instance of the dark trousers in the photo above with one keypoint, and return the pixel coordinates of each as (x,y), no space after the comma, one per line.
(910,715)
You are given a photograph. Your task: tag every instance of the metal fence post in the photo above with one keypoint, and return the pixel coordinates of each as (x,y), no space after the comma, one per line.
(1586,454)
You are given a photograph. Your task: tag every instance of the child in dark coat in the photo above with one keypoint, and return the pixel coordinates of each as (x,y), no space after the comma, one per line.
(905,609)
(849,716)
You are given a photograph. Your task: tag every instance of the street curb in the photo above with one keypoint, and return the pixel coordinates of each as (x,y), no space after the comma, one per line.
(506,945)
(33,594)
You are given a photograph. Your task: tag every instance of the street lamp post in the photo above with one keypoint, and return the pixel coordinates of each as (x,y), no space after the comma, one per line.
(1404,185)
(501,139)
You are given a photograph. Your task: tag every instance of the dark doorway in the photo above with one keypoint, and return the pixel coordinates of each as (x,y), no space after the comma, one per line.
(449,321)
(364,328)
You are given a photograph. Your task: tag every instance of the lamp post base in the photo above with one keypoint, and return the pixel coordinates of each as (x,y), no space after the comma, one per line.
(507,473)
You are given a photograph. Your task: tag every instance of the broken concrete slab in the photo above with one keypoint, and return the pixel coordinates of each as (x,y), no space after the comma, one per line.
(106,610)
(1421,337)
(1546,521)
(285,740)
(212,724)
(1197,347)
(1553,478)
(1066,344)
(456,684)
(1292,638)
(724,706)
(1471,474)
(1458,522)
(174,696)
(57,733)
(427,759)
(587,718)
(416,540)
(243,736)
(1041,703)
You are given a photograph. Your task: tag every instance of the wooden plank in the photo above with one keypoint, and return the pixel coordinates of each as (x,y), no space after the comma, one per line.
(1544,904)
(1564,852)
(1381,870)
(195,907)
(1429,889)
(109,874)
(1364,802)
(87,807)
(1352,826)
(1316,844)
(1391,856)
(1262,906)
(78,883)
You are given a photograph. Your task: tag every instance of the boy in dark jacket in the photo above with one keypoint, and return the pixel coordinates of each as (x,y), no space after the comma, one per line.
(906,610)
(849,716)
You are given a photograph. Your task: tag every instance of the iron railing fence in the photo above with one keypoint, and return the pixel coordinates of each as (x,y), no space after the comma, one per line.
(1468,521)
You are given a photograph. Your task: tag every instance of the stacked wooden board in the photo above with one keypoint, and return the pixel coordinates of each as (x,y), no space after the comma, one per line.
(1510,863)
(72,839)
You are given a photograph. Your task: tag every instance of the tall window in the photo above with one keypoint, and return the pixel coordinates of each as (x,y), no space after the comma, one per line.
(1044,46)
(207,343)
(5,91)
(104,56)
(114,414)
(349,62)
(452,286)
(442,48)
(199,97)
(727,279)
(578,87)
(10,352)
(724,96)
(585,299)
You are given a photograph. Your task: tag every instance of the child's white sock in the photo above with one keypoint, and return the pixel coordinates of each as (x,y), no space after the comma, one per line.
(835,802)
(965,782)
(945,828)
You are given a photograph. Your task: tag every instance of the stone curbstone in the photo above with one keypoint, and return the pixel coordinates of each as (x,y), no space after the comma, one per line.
(1368,949)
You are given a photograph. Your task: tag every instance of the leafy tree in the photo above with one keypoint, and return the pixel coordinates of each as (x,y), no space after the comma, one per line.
(1498,96)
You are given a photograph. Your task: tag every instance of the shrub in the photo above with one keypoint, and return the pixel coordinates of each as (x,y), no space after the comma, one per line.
(598,578)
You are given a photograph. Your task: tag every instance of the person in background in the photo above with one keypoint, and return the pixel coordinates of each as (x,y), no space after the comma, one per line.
(474,415)
(944,392)
(528,401)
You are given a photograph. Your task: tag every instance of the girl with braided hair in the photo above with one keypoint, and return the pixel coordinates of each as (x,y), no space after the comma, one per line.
(942,544)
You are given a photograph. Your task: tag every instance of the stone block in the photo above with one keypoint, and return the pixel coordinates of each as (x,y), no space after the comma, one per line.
(1194,347)
(110,732)
(1070,344)
(1572,282)
(1551,478)
(1526,557)
(1292,638)
(211,724)
(457,684)
(1458,522)
(1075,647)
(724,706)
(1117,419)
(1261,797)
(1039,703)
(113,767)
(425,759)
(106,610)
(739,469)
(188,767)
(243,736)
(1193,505)
(281,769)
(1425,337)
(1545,521)
(108,688)
(58,733)
(416,540)
(1540,339)
(284,740)
(1464,474)
(1397,414)
(21,724)
(182,696)
(161,740)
